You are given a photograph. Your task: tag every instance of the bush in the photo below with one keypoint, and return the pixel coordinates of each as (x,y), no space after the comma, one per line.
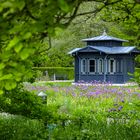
(90,126)
(21,102)
(21,128)
(69,114)
(136,76)
(61,73)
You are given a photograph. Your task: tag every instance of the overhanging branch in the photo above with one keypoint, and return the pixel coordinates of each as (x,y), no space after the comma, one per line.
(105,4)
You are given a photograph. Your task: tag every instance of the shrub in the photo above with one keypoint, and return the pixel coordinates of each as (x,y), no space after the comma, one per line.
(21,102)
(21,128)
(61,73)
(136,76)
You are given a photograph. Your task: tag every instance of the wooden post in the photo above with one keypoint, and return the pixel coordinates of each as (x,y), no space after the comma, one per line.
(54,77)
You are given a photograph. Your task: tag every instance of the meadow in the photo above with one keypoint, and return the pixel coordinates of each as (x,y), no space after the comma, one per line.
(87,112)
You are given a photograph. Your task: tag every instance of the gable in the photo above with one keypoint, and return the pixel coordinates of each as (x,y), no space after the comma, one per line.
(88,49)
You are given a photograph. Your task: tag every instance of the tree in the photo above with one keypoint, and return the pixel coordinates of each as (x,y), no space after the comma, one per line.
(25,23)
(83,27)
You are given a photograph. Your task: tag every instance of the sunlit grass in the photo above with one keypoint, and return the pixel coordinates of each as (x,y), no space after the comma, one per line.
(99,98)
(95,111)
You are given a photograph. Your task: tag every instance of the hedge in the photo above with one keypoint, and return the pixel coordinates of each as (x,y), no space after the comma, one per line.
(61,73)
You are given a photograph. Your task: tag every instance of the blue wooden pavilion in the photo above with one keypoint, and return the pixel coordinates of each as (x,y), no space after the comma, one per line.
(104,59)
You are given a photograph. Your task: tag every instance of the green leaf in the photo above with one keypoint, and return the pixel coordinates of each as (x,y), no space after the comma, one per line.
(63,5)
(13,42)
(13,64)
(24,54)
(2,65)
(9,85)
(27,35)
(17,76)
(18,47)
(20,4)
(58,31)
(1,92)
(7,4)
(6,77)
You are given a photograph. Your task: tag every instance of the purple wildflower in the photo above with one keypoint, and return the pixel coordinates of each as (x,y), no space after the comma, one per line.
(122,101)
(112,109)
(115,104)
(120,108)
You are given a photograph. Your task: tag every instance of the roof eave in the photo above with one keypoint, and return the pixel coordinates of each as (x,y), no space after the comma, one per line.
(88,40)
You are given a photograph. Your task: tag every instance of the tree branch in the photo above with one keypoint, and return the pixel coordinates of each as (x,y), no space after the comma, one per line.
(73,15)
(106,3)
(47,49)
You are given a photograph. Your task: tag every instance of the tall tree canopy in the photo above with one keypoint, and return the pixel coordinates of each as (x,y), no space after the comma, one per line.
(24,24)
(90,25)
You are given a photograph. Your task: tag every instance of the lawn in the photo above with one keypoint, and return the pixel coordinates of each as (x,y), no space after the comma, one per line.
(95,111)
(82,112)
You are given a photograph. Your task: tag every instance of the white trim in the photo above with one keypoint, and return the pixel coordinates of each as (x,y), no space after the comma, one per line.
(82,69)
(102,66)
(89,66)
(114,66)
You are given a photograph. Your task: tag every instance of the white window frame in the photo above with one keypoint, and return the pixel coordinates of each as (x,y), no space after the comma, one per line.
(100,70)
(114,66)
(89,66)
(83,70)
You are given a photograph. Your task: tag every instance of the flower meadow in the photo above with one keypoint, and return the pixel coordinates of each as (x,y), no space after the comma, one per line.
(91,111)
(81,111)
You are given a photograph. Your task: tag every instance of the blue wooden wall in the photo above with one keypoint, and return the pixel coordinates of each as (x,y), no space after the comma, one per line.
(104,43)
(118,77)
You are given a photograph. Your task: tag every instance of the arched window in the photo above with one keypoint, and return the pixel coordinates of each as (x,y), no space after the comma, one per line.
(100,66)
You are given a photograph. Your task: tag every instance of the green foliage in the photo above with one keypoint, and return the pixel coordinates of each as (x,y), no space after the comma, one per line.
(24,24)
(22,103)
(128,19)
(60,56)
(71,113)
(27,104)
(62,72)
(20,128)
(136,76)
(81,115)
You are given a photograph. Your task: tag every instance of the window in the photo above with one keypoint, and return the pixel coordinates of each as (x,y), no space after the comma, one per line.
(111,66)
(100,66)
(119,66)
(92,66)
(83,66)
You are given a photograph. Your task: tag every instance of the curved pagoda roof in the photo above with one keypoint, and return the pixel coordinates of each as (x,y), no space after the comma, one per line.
(104,37)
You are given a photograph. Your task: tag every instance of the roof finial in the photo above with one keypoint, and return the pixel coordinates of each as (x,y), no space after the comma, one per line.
(104,33)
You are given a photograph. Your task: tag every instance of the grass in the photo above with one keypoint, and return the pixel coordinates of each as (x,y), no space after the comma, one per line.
(96,97)
(54,83)
(90,112)
(102,103)
(14,127)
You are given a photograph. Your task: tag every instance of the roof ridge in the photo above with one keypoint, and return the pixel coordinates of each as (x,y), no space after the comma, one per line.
(104,37)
